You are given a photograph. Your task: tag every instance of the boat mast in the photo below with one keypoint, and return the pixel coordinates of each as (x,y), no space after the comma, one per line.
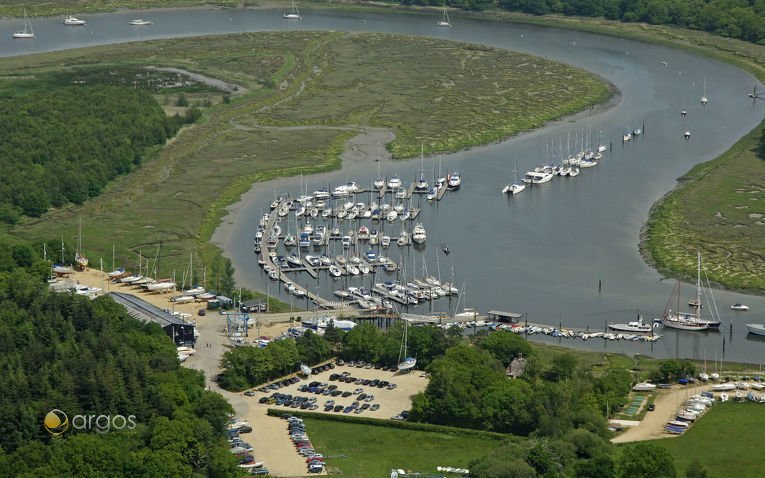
(698,285)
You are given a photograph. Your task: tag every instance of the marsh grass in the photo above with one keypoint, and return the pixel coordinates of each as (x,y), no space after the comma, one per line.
(308,93)
(718,209)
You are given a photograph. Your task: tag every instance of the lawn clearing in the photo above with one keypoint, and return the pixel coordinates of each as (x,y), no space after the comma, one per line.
(725,441)
(367,450)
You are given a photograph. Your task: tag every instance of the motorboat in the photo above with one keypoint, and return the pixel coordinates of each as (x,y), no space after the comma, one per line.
(627,136)
(741,307)
(325,260)
(346,241)
(334,271)
(537,177)
(418,234)
(304,240)
(140,22)
(453,181)
(71,20)
(391,216)
(723,387)
(385,241)
(432,193)
(513,189)
(637,326)
(756,329)
(370,256)
(379,183)
(363,233)
(394,182)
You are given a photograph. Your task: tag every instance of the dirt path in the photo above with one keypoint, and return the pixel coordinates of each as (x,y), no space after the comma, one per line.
(667,404)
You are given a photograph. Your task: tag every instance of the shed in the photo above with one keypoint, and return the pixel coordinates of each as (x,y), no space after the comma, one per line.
(501,316)
(176,328)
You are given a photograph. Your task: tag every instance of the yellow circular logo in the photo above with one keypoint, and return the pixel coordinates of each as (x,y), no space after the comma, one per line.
(56,422)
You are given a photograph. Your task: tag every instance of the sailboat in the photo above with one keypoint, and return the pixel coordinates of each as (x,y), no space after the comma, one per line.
(27,32)
(140,21)
(444,22)
(704,99)
(690,320)
(422,184)
(407,363)
(82,261)
(294,14)
(380,181)
(515,187)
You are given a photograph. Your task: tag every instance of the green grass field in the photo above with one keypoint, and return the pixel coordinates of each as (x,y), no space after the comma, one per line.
(368,451)
(726,442)
(179,196)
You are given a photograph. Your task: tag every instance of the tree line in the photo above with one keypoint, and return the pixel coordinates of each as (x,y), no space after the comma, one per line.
(63,145)
(742,19)
(66,352)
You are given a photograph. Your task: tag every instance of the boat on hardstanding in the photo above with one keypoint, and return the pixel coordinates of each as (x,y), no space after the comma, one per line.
(405,363)
(418,234)
(690,320)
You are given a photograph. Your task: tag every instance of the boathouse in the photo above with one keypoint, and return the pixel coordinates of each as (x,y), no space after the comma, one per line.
(176,328)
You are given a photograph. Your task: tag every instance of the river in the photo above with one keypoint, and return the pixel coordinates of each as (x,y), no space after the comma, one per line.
(546,251)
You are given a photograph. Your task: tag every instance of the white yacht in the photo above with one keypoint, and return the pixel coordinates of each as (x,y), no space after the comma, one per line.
(418,234)
(537,177)
(385,241)
(392,215)
(394,182)
(627,136)
(71,20)
(513,189)
(635,326)
(453,181)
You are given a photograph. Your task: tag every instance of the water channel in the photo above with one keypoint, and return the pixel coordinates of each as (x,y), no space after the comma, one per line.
(546,251)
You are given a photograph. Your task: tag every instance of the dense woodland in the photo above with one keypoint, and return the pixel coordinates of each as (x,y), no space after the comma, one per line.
(742,19)
(63,145)
(554,415)
(89,357)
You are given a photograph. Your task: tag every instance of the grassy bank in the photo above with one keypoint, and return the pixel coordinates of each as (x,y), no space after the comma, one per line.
(308,92)
(716,209)
(724,441)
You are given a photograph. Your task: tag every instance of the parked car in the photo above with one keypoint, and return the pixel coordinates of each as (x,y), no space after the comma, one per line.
(249,393)
(651,407)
